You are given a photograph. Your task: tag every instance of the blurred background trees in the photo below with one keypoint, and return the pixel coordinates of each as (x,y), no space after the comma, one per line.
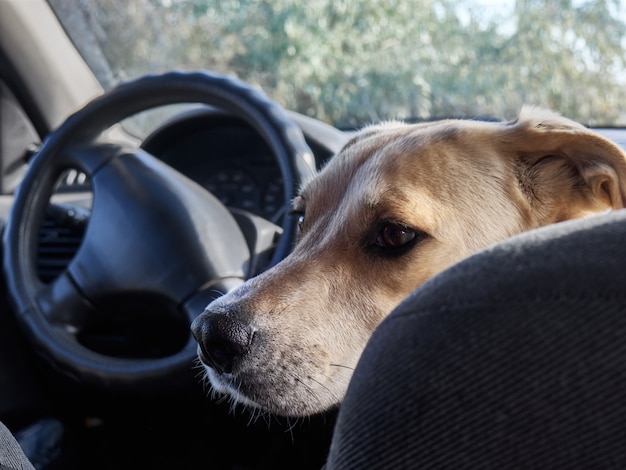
(354,62)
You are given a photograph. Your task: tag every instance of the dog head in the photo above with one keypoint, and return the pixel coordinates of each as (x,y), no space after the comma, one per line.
(398,204)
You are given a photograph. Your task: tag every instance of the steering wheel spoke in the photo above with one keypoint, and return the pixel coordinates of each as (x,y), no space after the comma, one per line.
(64,306)
(87,156)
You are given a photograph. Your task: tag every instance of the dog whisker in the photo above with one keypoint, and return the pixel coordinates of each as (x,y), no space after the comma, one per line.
(267,417)
(202,376)
(341,365)
(310,391)
(291,425)
(252,417)
(218,292)
(255,414)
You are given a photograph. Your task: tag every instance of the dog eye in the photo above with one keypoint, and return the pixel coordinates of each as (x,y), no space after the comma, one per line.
(300,216)
(393,235)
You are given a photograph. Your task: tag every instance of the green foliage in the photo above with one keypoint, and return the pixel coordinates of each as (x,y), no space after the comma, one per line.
(351,63)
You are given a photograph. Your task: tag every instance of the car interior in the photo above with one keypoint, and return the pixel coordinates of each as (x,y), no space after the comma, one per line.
(130,202)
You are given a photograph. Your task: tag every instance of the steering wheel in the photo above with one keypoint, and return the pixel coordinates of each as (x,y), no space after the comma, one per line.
(157,247)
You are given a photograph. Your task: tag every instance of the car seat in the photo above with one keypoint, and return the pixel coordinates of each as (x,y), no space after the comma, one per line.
(513,358)
(11,455)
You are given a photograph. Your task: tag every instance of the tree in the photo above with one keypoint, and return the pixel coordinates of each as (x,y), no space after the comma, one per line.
(351,63)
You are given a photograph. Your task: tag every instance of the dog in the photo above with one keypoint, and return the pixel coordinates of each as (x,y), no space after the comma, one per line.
(397,205)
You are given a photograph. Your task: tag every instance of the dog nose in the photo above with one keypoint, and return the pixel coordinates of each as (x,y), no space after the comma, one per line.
(222,339)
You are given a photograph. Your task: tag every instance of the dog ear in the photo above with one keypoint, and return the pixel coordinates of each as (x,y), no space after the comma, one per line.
(565,170)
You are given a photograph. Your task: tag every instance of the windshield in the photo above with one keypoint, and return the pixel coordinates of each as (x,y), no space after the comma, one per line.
(351,63)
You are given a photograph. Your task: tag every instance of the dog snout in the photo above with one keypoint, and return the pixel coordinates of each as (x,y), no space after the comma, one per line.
(222,339)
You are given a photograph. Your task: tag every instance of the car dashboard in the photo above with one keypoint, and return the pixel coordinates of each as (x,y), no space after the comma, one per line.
(230,159)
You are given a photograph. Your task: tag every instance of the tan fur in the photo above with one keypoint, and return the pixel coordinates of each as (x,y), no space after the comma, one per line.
(463,184)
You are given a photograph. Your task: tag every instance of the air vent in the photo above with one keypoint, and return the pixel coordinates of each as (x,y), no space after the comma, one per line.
(60,236)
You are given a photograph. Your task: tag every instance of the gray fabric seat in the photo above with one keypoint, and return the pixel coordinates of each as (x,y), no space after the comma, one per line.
(11,455)
(514,358)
